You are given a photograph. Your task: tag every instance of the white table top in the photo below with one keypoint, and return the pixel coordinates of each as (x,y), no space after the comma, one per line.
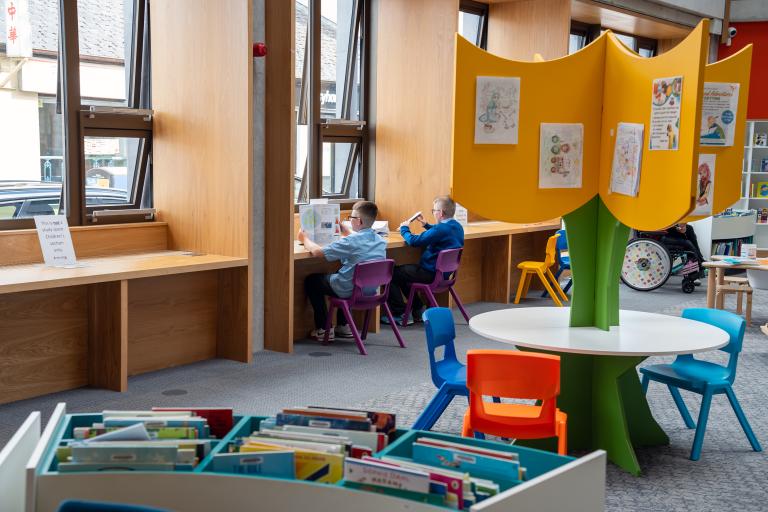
(639,333)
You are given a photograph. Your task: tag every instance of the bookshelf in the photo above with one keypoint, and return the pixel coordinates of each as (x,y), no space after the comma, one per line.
(715,231)
(754,171)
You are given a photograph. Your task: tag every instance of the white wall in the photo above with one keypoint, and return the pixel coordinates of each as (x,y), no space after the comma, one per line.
(19,136)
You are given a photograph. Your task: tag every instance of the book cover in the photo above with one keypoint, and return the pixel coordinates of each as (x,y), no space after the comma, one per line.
(764,165)
(455,482)
(158,422)
(319,467)
(268,463)
(306,445)
(383,421)
(386,475)
(469,448)
(322,422)
(376,441)
(480,466)
(220,419)
(95,452)
(432,499)
(761,189)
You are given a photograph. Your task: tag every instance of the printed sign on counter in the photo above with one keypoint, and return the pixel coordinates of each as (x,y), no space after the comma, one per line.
(55,240)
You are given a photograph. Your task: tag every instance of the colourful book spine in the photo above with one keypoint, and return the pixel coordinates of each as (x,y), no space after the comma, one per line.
(123,454)
(476,465)
(321,422)
(278,464)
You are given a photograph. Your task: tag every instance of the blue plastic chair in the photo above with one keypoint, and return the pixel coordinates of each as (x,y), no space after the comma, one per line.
(563,262)
(448,374)
(94,506)
(705,378)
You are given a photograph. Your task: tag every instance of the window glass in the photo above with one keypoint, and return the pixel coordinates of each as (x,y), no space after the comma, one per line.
(645,52)
(302,85)
(576,42)
(110,168)
(630,41)
(339,37)
(105,29)
(32,128)
(341,162)
(470,26)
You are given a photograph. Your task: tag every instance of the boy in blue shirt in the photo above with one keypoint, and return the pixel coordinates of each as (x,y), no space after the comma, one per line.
(446,233)
(360,244)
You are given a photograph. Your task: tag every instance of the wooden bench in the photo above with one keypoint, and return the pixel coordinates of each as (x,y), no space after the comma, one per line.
(115,316)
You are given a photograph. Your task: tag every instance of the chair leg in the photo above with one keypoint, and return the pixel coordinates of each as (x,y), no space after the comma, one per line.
(743,419)
(458,303)
(701,425)
(546,284)
(557,279)
(520,286)
(353,328)
(748,316)
(562,438)
(431,300)
(366,323)
(527,284)
(328,326)
(556,286)
(479,435)
(434,409)
(644,383)
(408,306)
(568,285)
(681,406)
(739,300)
(392,324)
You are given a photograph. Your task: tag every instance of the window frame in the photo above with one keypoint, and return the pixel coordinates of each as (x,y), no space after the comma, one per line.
(79,121)
(591,32)
(327,130)
(478,9)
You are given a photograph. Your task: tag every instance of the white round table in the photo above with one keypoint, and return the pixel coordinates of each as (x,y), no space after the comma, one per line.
(639,333)
(599,386)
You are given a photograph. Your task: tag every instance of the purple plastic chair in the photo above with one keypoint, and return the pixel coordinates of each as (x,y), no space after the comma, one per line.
(447,264)
(369,275)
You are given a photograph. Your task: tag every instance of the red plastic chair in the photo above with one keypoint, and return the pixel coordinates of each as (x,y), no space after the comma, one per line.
(447,264)
(512,374)
(371,287)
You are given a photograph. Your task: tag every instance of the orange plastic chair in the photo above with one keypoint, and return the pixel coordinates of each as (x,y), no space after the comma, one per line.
(512,374)
(541,269)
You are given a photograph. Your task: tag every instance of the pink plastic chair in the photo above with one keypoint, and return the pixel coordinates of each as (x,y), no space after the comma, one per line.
(369,275)
(447,264)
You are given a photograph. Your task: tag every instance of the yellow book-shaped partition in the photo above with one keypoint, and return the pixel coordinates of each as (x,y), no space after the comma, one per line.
(309,465)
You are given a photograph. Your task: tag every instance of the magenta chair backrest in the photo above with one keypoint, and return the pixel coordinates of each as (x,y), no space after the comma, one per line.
(371,281)
(446,269)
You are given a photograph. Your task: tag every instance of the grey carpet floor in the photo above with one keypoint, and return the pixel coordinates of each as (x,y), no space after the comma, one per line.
(728,476)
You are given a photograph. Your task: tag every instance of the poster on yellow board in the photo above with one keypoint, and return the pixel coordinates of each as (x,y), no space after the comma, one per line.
(561,155)
(705,185)
(718,113)
(665,113)
(627,157)
(497,110)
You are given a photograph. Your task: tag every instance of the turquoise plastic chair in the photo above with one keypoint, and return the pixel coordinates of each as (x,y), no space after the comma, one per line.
(705,378)
(448,374)
(563,262)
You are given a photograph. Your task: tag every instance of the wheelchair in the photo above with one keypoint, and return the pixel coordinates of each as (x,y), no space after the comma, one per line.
(648,263)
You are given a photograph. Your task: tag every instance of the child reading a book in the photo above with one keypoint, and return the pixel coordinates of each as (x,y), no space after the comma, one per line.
(446,233)
(357,245)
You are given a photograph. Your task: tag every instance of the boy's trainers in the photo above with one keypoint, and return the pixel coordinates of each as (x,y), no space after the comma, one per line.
(343,331)
(417,313)
(398,320)
(319,335)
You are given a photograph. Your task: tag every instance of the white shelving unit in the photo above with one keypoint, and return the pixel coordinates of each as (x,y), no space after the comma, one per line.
(723,229)
(753,172)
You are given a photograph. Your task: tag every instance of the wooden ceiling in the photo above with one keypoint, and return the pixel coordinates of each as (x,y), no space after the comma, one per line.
(626,22)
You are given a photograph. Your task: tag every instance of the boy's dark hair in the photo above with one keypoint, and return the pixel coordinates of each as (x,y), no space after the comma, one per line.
(367,211)
(446,204)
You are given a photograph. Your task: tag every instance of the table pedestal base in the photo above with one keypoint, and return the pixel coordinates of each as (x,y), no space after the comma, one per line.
(606,407)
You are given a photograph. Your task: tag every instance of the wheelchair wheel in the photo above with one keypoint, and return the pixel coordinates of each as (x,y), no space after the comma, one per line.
(647,265)
(688,286)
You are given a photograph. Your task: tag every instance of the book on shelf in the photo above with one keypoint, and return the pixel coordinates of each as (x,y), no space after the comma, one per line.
(275,463)
(374,440)
(323,422)
(220,419)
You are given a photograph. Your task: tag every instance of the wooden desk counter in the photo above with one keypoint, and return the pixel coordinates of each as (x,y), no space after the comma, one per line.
(63,328)
(488,269)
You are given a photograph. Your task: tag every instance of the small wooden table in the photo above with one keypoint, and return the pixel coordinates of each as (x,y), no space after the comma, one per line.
(599,387)
(716,277)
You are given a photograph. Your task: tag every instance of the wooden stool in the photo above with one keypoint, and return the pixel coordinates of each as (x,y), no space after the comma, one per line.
(740,287)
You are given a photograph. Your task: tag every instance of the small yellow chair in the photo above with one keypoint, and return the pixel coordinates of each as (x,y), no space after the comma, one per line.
(541,269)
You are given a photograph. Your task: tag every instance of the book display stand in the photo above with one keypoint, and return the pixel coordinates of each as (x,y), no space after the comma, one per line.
(553,482)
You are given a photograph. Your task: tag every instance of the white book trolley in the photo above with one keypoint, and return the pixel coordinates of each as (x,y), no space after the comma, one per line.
(27,483)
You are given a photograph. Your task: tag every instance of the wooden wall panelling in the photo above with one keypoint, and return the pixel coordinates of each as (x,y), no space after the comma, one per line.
(280,161)
(664,45)
(172,320)
(202,84)
(518,30)
(469,285)
(43,348)
(233,341)
(413,124)
(23,246)
(497,252)
(108,335)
